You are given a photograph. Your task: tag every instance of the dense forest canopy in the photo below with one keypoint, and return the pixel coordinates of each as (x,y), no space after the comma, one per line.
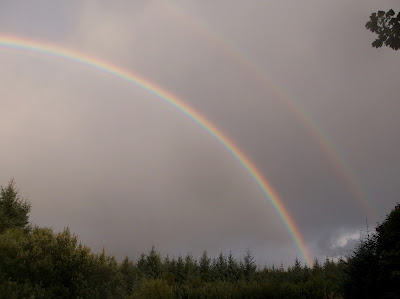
(38,262)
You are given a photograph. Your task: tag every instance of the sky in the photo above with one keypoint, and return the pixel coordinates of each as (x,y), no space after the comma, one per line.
(296,86)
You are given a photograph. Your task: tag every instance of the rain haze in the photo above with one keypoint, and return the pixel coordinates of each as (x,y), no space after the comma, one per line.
(296,86)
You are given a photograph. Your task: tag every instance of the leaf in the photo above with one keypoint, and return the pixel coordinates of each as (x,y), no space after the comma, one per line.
(390,13)
(377,43)
(381,14)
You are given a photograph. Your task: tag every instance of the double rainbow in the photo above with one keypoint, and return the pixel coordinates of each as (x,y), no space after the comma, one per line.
(326,144)
(41,48)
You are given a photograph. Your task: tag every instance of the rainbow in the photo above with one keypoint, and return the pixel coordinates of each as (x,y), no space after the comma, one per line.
(41,48)
(328,147)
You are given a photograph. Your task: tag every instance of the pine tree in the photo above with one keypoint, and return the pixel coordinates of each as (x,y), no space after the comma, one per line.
(141,266)
(205,266)
(249,266)
(168,270)
(13,209)
(190,266)
(232,268)
(128,271)
(180,271)
(221,267)
(296,272)
(154,266)
(387,250)
(317,269)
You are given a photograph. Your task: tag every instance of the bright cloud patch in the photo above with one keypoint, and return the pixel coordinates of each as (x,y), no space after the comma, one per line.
(344,239)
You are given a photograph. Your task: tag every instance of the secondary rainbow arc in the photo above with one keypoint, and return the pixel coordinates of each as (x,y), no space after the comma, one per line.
(105,67)
(326,144)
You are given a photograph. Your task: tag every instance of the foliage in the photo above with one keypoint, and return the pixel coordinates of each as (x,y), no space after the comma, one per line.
(154,288)
(387,250)
(55,265)
(13,209)
(362,272)
(39,263)
(387,26)
(373,269)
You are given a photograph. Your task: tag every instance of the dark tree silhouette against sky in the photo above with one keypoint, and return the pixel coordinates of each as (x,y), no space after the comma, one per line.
(387,26)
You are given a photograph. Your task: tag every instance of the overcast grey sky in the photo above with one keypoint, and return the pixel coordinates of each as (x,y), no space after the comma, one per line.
(126,171)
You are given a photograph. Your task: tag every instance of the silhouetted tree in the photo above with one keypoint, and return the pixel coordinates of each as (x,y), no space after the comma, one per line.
(153,264)
(373,269)
(190,266)
(38,263)
(180,271)
(232,268)
(56,265)
(13,209)
(141,266)
(205,264)
(296,272)
(128,271)
(387,243)
(221,267)
(362,272)
(387,26)
(249,266)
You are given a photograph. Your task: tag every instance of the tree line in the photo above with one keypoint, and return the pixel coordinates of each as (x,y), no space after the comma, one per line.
(36,262)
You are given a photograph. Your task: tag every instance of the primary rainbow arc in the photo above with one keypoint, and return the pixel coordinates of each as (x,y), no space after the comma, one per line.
(327,145)
(105,67)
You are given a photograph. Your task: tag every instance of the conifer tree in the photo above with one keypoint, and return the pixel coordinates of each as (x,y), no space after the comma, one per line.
(172,266)
(387,250)
(205,265)
(249,266)
(141,266)
(296,272)
(153,264)
(13,209)
(221,267)
(232,268)
(180,271)
(317,269)
(128,271)
(190,266)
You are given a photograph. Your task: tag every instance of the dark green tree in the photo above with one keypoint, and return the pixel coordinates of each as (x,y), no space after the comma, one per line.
(249,266)
(221,267)
(232,268)
(128,272)
(180,271)
(168,270)
(362,272)
(205,265)
(154,288)
(387,26)
(190,266)
(317,269)
(57,265)
(387,250)
(141,266)
(154,265)
(13,209)
(296,273)
(373,271)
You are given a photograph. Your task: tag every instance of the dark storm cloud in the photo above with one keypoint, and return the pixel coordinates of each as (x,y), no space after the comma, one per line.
(126,172)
